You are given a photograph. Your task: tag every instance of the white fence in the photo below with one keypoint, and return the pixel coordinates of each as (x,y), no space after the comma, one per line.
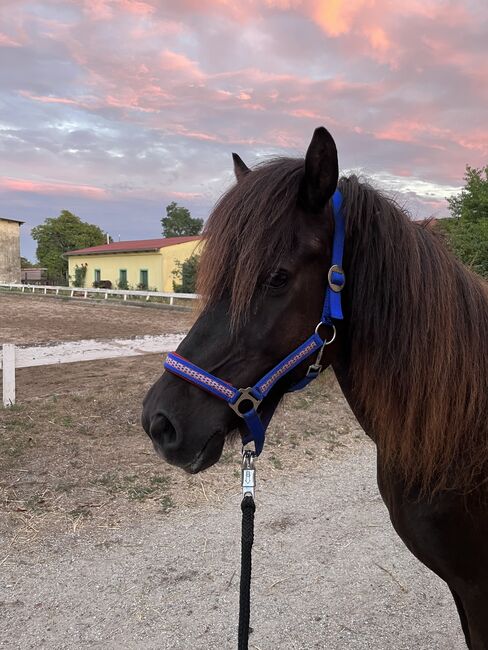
(92,292)
(12,356)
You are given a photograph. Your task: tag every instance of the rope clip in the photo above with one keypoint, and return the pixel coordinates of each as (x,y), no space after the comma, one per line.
(248,473)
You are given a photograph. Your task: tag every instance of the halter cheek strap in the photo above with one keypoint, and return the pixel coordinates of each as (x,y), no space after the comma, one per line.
(246,401)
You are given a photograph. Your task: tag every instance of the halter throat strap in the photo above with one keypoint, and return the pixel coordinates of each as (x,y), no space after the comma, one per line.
(246,401)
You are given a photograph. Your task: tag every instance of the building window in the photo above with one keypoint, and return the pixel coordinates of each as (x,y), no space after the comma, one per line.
(144,279)
(98,275)
(123,279)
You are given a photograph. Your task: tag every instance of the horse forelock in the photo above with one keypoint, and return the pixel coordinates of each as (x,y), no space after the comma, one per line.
(250,230)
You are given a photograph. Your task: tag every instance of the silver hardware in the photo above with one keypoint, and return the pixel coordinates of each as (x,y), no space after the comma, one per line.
(248,473)
(316,367)
(245,395)
(334,332)
(336,288)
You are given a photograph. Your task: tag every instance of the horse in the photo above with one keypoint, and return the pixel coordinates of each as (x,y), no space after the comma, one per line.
(410,353)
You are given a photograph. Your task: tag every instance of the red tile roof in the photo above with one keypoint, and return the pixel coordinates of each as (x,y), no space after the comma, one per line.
(133,246)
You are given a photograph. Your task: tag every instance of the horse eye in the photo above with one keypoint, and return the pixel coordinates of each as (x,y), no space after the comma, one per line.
(277,280)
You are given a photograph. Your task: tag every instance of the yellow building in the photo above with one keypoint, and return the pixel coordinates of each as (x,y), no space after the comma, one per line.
(146,263)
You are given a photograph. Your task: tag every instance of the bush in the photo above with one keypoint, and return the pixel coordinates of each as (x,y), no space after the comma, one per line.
(80,275)
(186,272)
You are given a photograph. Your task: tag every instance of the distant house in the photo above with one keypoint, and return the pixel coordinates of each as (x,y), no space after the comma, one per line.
(10,250)
(146,263)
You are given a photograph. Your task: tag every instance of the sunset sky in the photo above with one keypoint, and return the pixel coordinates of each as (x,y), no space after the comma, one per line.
(113,108)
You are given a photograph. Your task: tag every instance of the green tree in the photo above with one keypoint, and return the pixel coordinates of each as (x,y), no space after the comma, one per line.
(472,203)
(467,231)
(178,222)
(185,275)
(57,235)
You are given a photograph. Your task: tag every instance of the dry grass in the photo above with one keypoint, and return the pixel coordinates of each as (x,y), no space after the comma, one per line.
(82,460)
(73,455)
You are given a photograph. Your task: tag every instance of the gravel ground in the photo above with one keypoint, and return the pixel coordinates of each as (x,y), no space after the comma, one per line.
(27,319)
(329,572)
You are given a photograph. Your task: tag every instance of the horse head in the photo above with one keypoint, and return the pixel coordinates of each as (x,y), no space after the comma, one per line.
(263,277)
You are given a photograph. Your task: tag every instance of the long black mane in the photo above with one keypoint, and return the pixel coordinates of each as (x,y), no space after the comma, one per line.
(417,318)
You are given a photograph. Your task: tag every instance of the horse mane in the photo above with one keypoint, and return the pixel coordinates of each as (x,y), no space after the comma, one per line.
(417,318)
(418,329)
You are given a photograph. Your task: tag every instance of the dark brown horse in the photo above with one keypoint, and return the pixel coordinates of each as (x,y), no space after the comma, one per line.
(411,354)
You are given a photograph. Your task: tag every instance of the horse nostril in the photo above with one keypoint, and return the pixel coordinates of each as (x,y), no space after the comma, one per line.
(163,432)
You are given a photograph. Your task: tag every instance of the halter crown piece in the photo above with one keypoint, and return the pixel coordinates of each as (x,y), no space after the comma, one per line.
(246,401)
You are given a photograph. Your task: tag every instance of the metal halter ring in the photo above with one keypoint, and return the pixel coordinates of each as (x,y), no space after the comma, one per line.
(334,332)
(336,288)
(245,396)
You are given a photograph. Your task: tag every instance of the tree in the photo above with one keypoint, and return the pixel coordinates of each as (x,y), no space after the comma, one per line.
(57,235)
(178,222)
(472,203)
(467,231)
(186,273)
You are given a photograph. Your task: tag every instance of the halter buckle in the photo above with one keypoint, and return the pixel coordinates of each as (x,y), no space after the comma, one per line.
(245,396)
(335,286)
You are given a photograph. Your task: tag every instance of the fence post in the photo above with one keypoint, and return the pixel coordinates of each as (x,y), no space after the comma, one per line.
(8,372)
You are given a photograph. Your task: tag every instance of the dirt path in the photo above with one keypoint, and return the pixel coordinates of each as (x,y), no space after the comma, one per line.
(329,572)
(28,319)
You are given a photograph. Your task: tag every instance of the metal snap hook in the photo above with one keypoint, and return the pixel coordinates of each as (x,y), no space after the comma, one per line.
(248,473)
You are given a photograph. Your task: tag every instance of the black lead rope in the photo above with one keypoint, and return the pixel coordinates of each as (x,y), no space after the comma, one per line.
(248,508)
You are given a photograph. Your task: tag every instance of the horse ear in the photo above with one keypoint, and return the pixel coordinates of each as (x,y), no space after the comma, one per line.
(321,172)
(240,167)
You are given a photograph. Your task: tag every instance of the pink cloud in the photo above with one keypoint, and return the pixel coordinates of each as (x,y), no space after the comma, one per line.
(48,100)
(179,129)
(431,136)
(6,41)
(380,45)
(44,187)
(98,9)
(137,7)
(336,17)
(174,62)
(185,195)
(156,29)
(303,112)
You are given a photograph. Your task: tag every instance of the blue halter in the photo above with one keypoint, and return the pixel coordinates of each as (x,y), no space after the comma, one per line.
(246,401)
